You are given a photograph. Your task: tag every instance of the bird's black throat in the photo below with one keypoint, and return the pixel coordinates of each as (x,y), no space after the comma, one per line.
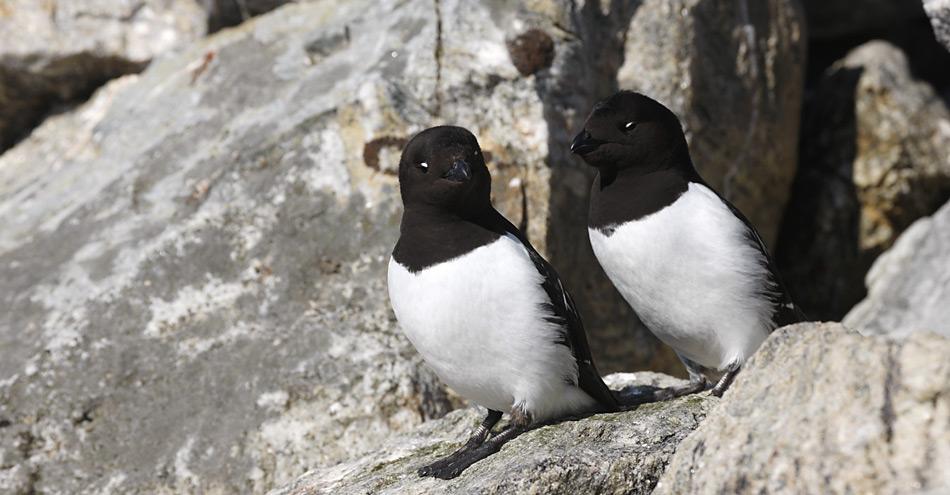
(430,235)
(621,196)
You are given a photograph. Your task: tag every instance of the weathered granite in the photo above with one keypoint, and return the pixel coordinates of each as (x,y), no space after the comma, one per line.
(821,409)
(909,285)
(607,453)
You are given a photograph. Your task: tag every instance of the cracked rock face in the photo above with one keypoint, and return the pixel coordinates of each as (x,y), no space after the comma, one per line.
(874,159)
(909,285)
(822,409)
(607,453)
(53,52)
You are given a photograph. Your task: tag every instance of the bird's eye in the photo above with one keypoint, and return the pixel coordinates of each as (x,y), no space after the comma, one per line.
(424,166)
(629,126)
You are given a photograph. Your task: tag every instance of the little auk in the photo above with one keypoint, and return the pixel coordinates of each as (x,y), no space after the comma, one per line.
(487,313)
(687,261)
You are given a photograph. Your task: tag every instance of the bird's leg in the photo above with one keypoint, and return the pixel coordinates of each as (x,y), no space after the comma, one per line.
(520,423)
(697,383)
(478,437)
(646,394)
(725,381)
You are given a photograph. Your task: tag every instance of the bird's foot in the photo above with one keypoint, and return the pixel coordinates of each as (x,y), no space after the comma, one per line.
(634,396)
(724,382)
(463,459)
(438,469)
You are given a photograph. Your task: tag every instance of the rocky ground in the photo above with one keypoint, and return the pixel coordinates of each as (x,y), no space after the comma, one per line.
(198,199)
(819,409)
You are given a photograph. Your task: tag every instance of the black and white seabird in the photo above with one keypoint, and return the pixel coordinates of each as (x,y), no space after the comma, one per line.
(487,313)
(689,263)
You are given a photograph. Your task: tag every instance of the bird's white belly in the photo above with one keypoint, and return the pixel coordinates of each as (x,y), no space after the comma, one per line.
(693,277)
(477,321)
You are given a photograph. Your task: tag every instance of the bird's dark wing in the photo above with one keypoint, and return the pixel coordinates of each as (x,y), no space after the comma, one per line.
(563,311)
(786,311)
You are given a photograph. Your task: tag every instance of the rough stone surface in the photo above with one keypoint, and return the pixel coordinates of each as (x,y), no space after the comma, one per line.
(53,52)
(909,285)
(195,258)
(608,453)
(939,13)
(837,18)
(732,72)
(874,159)
(821,409)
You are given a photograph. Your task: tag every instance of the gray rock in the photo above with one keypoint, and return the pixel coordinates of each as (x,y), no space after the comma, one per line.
(874,159)
(192,264)
(195,258)
(939,13)
(52,53)
(608,453)
(733,73)
(909,285)
(840,18)
(821,409)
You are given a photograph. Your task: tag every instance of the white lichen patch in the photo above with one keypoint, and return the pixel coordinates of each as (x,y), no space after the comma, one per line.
(191,304)
(183,473)
(193,347)
(274,401)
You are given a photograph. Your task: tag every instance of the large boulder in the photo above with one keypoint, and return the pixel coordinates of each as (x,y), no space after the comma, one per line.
(732,72)
(55,52)
(874,159)
(821,409)
(909,285)
(939,13)
(608,453)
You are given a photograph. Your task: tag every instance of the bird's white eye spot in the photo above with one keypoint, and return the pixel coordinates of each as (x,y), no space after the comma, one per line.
(629,125)
(475,153)
(424,166)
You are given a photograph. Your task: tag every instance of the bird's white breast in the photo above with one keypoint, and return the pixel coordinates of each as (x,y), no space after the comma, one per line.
(693,276)
(477,321)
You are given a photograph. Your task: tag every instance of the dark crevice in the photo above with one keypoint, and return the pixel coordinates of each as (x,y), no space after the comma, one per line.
(891,381)
(438,58)
(227,13)
(28,95)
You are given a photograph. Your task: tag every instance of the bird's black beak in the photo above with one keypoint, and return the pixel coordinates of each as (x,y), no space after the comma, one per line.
(584,143)
(459,172)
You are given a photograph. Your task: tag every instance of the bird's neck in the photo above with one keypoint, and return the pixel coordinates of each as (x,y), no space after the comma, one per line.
(631,194)
(430,235)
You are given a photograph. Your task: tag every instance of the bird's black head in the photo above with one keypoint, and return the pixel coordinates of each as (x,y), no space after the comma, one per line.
(629,130)
(443,167)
